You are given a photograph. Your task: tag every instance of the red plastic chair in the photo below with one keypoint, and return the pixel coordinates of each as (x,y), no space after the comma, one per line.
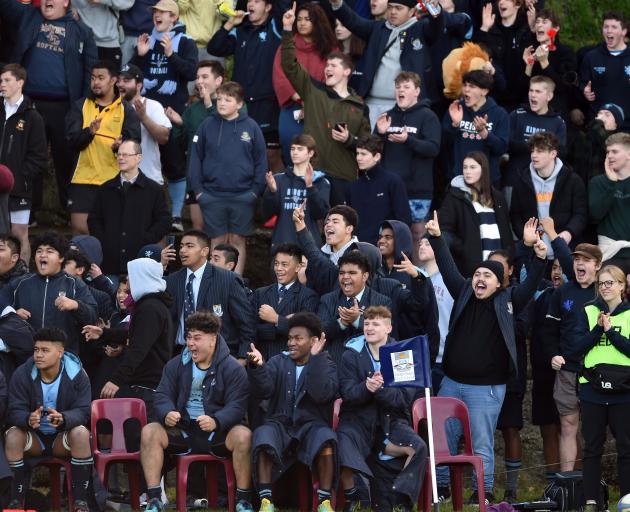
(117,411)
(305,477)
(211,462)
(443,408)
(54,465)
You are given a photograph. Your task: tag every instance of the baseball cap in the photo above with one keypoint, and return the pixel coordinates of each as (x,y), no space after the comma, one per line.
(588,251)
(131,71)
(167,6)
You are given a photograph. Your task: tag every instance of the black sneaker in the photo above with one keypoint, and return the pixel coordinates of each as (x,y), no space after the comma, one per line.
(510,496)
(80,506)
(444,494)
(474,499)
(16,505)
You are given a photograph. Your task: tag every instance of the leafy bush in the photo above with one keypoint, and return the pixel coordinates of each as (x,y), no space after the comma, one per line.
(582,19)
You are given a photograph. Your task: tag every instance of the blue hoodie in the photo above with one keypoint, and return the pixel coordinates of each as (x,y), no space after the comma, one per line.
(73,399)
(291,193)
(466,138)
(228,157)
(377,195)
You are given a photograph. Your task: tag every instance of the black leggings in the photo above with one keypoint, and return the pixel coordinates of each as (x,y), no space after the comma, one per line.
(595,419)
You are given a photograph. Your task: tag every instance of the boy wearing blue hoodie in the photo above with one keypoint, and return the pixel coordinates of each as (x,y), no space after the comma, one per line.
(227,166)
(377,194)
(49,408)
(477,123)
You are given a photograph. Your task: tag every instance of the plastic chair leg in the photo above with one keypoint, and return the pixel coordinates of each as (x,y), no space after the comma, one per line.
(457,487)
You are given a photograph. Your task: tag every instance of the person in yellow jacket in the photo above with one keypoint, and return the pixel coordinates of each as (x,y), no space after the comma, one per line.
(604,389)
(95,125)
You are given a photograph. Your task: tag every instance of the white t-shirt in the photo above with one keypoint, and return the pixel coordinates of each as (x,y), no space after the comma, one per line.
(150,164)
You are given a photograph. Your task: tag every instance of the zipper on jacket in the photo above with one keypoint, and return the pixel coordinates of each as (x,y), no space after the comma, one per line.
(10,145)
(44,307)
(4,126)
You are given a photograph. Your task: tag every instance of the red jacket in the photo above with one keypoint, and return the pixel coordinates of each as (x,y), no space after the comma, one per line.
(308,56)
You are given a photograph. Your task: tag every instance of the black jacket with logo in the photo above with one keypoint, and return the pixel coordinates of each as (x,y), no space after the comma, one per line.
(23,146)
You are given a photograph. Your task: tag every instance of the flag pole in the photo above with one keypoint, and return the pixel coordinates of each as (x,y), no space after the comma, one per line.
(436,502)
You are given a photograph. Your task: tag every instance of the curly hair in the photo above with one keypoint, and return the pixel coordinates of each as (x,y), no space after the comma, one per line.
(323,37)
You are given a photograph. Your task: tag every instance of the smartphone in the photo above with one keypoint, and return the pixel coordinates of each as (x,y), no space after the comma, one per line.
(341,126)
(170,240)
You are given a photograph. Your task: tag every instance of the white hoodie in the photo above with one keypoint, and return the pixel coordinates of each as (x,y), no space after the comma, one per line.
(145,276)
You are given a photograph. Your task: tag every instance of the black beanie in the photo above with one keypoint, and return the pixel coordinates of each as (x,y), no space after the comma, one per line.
(493,266)
(407,3)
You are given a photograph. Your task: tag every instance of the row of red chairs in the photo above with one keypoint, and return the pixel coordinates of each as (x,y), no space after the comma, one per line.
(120,410)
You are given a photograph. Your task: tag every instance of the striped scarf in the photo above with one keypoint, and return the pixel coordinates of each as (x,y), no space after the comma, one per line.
(488,230)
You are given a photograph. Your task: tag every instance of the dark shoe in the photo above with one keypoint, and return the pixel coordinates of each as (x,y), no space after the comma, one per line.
(474,499)
(244,506)
(80,506)
(177,224)
(444,494)
(510,496)
(16,505)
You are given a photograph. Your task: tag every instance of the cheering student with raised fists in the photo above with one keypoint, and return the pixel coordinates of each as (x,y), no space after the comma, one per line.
(480,348)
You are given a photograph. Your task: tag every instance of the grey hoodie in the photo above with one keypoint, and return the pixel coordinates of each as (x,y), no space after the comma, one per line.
(102,18)
(145,276)
(544,188)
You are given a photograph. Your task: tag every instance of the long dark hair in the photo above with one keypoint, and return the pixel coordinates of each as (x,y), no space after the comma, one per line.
(482,190)
(323,37)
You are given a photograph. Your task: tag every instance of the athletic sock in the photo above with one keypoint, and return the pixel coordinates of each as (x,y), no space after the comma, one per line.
(351,494)
(81,476)
(323,495)
(264,492)
(19,475)
(512,468)
(154,492)
(244,495)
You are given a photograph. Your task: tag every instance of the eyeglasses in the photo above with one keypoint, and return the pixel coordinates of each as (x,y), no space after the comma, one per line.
(126,155)
(606,284)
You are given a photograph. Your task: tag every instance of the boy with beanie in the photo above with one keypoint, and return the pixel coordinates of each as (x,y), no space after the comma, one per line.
(480,348)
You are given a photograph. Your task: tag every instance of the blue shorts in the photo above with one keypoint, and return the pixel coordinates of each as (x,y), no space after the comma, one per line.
(420,209)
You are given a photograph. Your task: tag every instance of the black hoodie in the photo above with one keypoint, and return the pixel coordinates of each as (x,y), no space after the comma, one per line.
(413,160)
(403,243)
(610,79)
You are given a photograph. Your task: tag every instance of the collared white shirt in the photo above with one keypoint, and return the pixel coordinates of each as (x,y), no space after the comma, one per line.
(132,180)
(356,323)
(196,284)
(11,108)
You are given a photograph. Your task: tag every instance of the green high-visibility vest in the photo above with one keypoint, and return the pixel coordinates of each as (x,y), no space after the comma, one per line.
(605,351)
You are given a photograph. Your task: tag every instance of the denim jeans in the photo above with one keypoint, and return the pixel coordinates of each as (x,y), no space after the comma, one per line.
(484,405)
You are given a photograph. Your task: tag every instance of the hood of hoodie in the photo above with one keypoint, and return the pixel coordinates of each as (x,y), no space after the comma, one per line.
(545,183)
(373,255)
(70,363)
(90,246)
(425,103)
(317,174)
(356,343)
(225,124)
(403,241)
(459,183)
(145,276)
(19,269)
(221,352)
(490,104)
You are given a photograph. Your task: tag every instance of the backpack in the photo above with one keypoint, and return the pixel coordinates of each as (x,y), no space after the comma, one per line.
(567,492)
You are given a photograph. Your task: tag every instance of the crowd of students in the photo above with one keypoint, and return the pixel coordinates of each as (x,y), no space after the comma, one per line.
(447,168)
